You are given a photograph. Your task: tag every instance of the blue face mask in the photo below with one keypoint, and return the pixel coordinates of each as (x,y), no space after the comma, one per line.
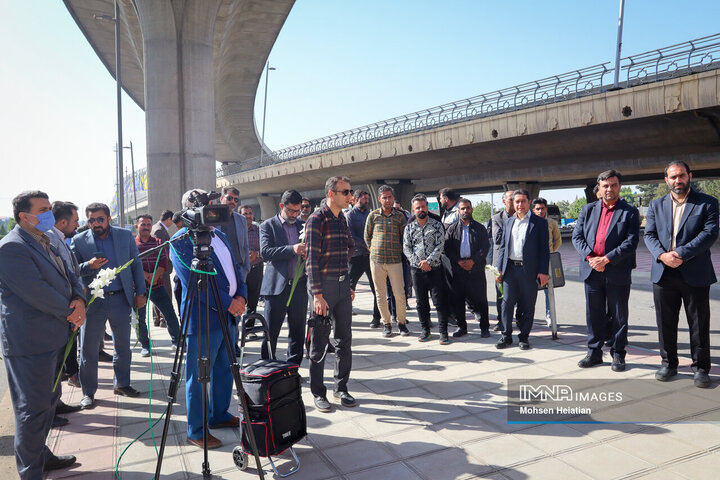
(46,221)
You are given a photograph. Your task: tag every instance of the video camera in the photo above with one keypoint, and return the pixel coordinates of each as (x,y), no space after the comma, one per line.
(200,217)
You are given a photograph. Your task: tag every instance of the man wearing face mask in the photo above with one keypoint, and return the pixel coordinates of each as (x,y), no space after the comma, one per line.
(282,249)
(38,293)
(104,246)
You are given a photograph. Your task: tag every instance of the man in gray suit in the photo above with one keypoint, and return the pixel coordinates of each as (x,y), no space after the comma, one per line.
(236,230)
(104,246)
(160,231)
(38,293)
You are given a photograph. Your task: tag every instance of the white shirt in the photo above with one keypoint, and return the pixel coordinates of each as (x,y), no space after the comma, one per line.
(226,262)
(517,237)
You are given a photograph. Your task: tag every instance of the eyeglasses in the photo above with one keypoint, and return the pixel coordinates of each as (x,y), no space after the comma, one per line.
(91,221)
(230,197)
(305,205)
(345,192)
(292,210)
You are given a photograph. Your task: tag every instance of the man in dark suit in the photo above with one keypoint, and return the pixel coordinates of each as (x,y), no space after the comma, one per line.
(41,300)
(523,262)
(606,236)
(497,223)
(160,231)
(236,230)
(680,229)
(233,295)
(466,246)
(105,246)
(281,248)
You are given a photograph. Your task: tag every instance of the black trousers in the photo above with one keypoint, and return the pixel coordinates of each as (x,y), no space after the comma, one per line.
(470,287)
(337,295)
(519,289)
(669,293)
(275,312)
(428,284)
(603,296)
(359,265)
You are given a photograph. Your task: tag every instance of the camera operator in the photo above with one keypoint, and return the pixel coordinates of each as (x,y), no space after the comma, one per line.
(233,294)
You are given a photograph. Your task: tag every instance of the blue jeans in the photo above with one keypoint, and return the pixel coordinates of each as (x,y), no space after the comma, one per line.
(162,300)
(115,309)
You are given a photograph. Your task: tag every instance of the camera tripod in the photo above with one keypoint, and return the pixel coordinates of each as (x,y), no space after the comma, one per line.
(202,281)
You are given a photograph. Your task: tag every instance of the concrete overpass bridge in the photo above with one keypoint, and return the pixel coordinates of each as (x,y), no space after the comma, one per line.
(555,132)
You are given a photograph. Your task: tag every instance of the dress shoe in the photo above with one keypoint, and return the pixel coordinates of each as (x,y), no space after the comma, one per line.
(460,332)
(701,379)
(485,333)
(211,443)
(665,373)
(63,408)
(126,391)
(618,364)
(346,400)
(322,404)
(503,343)
(103,356)
(234,422)
(87,402)
(589,361)
(56,462)
(524,345)
(74,381)
(59,421)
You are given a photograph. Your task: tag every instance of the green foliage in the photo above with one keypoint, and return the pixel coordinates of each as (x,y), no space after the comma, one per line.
(646,193)
(482,212)
(711,187)
(564,207)
(575,207)
(11,224)
(3,230)
(628,195)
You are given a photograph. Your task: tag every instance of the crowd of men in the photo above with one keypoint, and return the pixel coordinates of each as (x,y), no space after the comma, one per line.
(305,265)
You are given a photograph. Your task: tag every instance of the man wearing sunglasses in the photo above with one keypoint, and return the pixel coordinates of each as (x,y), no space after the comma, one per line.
(236,230)
(104,246)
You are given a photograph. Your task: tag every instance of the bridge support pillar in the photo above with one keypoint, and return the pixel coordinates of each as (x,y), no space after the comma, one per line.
(179,98)
(269,206)
(532,187)
(403,194)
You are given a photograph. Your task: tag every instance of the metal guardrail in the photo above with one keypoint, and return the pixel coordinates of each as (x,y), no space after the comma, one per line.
(674,61)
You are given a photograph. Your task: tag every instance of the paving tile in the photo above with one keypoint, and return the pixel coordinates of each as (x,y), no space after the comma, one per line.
(414,442)
(465,429)
(654,449)
(336,433)
(394,471)
(547,468)
(448,464)
(702,435)
(594,461)
(704,467)
(503,450)
(436,412)
(347,459)
(553,438)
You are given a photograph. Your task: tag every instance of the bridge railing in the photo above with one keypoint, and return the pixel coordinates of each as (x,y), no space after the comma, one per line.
(674,61)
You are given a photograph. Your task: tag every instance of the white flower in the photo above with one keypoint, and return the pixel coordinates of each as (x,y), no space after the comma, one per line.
(133,318)
(492,269)
(103,278)
(98,292)
(301,236)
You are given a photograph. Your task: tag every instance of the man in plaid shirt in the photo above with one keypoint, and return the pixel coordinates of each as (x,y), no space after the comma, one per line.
(328,245)
(384,237)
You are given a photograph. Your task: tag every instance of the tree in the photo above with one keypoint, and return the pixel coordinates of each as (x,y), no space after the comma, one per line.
(575,207)
(564,207)
(3,230)
(628,195)
(11,224)
(710,187)
(646,192)
(482,211)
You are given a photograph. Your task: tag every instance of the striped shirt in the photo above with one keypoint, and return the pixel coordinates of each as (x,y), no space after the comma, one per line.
(254,243)
(384,236)
(328,245)
(148,262)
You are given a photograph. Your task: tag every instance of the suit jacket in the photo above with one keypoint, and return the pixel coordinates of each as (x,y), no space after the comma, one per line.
(182,256)
(621,241)
(242,257)
(479,244)
(58,241)
(160,232)
(277,253)
(132,278)
(697,233)
(497,224)
(536,251)
(34,297)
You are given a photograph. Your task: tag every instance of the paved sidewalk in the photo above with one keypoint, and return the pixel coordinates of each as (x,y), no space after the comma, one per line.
(425,411)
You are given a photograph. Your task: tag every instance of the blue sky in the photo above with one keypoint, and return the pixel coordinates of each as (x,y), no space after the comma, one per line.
(339,65)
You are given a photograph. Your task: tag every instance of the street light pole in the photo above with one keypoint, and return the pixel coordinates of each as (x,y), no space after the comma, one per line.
(262,140)
(132,169)
(616,84)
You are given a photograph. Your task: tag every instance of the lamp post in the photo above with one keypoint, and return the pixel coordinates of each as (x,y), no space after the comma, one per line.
(132,168)
(616,83)
(118,88)
(262,140)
